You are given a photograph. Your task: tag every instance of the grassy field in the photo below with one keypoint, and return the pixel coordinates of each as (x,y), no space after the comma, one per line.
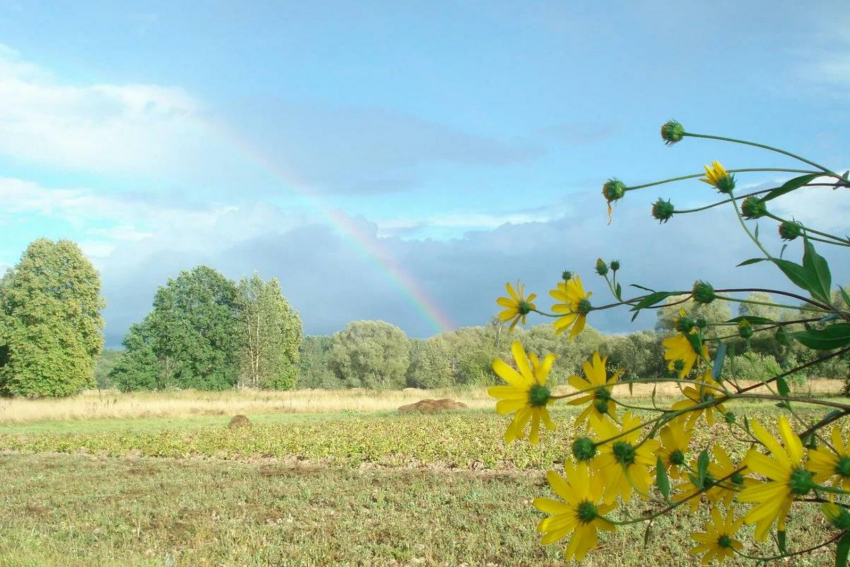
(346,488)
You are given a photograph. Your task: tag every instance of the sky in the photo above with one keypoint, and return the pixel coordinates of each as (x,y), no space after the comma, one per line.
(402,161)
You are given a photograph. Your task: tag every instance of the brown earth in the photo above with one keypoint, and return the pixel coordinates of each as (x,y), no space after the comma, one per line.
(431,406)
(239,421)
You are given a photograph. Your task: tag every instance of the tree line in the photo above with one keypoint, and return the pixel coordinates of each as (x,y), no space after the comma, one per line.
(207,332)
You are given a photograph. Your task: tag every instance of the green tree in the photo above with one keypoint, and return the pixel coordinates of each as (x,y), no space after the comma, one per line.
(430,363)
(104,365)
(370,354)
(315,372)
(189,340)
(138,367)
(270,332)
(50,322)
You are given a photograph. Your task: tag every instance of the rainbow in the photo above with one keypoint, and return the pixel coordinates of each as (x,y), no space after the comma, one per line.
(365,244)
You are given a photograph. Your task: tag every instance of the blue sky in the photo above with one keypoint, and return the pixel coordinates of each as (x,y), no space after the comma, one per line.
(469,140)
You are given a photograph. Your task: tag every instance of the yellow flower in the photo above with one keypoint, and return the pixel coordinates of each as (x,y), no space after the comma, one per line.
(526,393)
(826,463)
(707,390)
(625,461)
(581,513)
(717,542)
(691,491)
(517,306)
(675,439)
(722,467)
(718,177)
(574,304)
(599,397)
(787,478)
(680,347)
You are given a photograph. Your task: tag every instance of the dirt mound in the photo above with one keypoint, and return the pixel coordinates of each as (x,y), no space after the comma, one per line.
(431,406)
(239,421)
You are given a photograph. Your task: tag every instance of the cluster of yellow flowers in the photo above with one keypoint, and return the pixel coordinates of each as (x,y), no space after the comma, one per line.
(614,460)
(617,456)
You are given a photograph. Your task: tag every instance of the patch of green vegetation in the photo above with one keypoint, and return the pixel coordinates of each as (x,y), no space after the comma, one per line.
(75,511)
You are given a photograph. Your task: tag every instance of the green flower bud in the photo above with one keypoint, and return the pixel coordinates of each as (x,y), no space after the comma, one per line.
(662,210)
(753,208)
(745,330)
(703,292)
(584,449)
(789,230)
(566,275)
(601,267)
(678,365)
(613,190)
(730,417)
(702,323)
(837,516)
(684,325)
(672,132)
(615,265)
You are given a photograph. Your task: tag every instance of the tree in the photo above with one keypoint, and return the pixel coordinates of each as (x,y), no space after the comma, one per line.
(370,354)
(189,340)
(270,332)
(138,367)
(315,373)
(430,363)
(50,322)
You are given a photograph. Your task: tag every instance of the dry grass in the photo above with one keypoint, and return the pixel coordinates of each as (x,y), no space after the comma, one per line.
(108,404)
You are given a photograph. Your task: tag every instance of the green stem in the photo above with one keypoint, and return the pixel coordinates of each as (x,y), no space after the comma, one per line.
(813,231)
(766,147)
(770,304)
(746,170)
(784,555)
(746,228)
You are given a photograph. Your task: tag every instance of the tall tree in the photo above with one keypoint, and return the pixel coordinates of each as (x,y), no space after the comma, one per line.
(370,354)
(270,332)
(50,322)
(189,340)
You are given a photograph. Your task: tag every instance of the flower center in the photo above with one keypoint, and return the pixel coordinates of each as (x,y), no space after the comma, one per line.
(842,467)
(624,453)
(586,512)
(524,308)
(800,482)
(724,541)
(538,395)
(584,307)
(737,479)
(677,457)
(707,397)
(584,449)
(685,325)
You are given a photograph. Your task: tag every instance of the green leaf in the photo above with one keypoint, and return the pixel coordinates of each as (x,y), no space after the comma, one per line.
(702,467)
(652,299)
(842,550)
(781,542)
(830,338)
(782,337)
(752,320)
(845,296)
(798,275)
(790,185)
(818,269)
(619,292)
(718,362)
(751,261)
(782,386)
(696,341)
(661,479)
(757,231)
(642,287)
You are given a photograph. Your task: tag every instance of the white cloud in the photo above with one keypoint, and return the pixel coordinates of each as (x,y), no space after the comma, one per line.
(100,128)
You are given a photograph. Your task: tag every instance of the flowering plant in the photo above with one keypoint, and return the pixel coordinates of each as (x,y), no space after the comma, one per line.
(651,452)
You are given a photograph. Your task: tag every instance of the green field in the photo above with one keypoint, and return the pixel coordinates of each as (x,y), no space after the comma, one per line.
(317,489)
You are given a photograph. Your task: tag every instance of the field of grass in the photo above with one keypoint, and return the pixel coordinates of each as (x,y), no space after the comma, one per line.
(347,488)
